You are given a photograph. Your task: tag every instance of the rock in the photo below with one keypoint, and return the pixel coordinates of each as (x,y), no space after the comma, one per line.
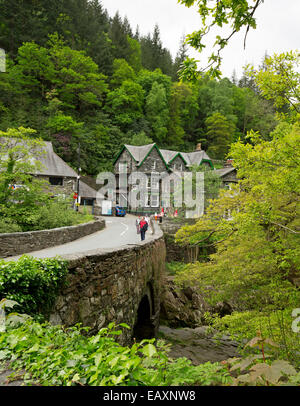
(198,346)
(55,319)
(101,321)
(84,308)
(222,308)
(181,307)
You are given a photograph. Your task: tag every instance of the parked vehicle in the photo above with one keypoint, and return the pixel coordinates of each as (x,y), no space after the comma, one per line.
(120,211)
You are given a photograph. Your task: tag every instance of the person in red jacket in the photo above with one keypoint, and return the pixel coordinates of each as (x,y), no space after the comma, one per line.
(143,228)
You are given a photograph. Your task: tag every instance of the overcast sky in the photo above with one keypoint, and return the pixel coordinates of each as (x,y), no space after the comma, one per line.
(278,28)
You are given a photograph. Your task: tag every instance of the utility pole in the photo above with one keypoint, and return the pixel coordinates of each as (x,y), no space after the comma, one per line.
(78,177)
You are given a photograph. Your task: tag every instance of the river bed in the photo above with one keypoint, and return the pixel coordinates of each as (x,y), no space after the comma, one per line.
(197,345)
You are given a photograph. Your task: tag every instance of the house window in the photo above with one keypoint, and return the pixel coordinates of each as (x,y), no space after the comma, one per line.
(154,200)
(154,165)
(122,167)
(56,181)
(174,167)
(154,181)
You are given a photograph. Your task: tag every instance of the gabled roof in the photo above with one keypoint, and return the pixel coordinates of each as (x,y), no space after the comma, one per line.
(196,157)
(168,155)
(86,191)
(171,155)
(140,153)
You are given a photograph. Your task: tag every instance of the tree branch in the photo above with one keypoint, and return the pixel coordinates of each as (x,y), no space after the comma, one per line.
(285,227)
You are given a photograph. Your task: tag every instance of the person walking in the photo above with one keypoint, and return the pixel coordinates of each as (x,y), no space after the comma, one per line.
(143,228)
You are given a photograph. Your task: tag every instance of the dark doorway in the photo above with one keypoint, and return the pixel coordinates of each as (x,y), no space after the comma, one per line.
(144,327)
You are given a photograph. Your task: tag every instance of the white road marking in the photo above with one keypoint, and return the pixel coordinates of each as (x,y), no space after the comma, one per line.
(123,232)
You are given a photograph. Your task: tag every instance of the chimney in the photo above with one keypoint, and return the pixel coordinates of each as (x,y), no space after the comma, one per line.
(198,147)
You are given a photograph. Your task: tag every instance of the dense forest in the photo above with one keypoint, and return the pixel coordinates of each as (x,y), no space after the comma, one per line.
(77,75)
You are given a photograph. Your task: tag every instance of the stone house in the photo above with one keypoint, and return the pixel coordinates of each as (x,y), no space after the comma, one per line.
(228,175)
(154,163)
(61,179)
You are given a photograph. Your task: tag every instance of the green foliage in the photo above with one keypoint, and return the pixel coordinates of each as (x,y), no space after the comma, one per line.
(125,103)
(52,355)
(157,112)
(141,139)
(31,206)
(122,71)
(59,214)
(75,71)
(33,283)
(7,225)
(276,324)
(230,13)
(279,82)
(173,267)
(254,228)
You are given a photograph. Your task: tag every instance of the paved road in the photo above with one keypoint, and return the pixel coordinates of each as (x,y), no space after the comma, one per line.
(119,231)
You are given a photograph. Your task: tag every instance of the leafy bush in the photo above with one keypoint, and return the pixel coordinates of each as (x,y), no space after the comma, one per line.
(173,267)
(57,214)
(276,324)
(55,356)
(32,282)
(9,226)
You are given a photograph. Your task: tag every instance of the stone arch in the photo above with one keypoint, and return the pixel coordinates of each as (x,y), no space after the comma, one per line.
(144,326)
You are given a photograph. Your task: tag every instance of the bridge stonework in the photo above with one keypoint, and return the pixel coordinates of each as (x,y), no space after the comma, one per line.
(117,285)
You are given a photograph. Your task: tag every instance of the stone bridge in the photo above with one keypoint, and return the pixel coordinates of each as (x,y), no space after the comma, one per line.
(114,285)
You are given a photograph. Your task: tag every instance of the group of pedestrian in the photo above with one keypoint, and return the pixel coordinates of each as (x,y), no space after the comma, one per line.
(142,225)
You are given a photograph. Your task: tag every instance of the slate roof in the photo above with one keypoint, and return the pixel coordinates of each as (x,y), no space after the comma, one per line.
(51,163)
(225,171)
(86,191)
(195,158)
(139,152)
(168,155)
(191,158)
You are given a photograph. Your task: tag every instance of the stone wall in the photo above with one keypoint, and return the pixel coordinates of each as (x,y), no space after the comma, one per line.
(174,251)
(118,285)
(12,244)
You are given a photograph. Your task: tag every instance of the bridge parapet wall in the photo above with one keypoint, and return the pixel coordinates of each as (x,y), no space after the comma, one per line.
(12,244)
(106,286)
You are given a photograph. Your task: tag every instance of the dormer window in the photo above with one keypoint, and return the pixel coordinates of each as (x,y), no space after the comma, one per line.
(154,165)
